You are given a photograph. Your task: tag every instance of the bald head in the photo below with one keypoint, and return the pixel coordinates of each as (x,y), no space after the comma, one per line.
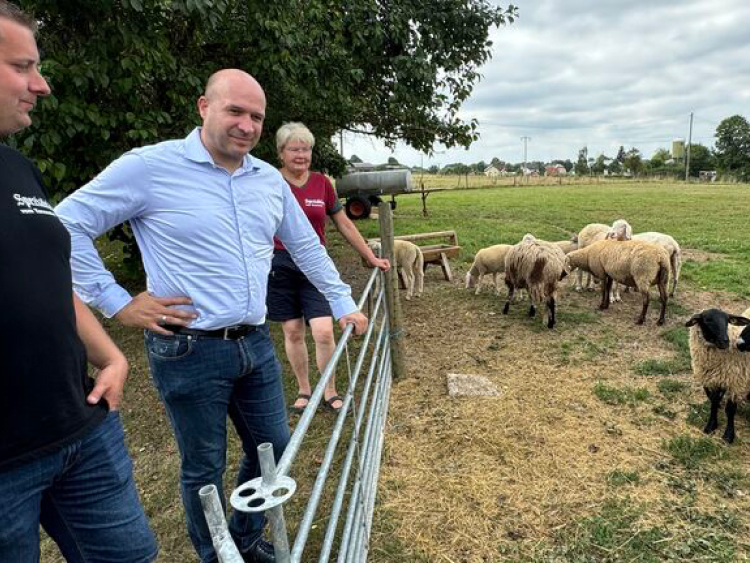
(232,79)
(233,109)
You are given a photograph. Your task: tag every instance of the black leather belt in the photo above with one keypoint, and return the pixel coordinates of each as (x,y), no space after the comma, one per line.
(228,333)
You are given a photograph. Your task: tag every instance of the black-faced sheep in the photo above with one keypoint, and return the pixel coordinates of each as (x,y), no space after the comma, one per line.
(538,267)
(631,263)
(719,364)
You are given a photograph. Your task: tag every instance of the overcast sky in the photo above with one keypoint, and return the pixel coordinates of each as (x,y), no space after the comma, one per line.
(600,73)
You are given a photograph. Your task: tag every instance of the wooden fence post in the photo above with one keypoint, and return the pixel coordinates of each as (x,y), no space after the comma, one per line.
(395,324)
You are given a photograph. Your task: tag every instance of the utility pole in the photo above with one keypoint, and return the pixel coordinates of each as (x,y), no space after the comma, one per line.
(525,140)
(687,159)
(341,143)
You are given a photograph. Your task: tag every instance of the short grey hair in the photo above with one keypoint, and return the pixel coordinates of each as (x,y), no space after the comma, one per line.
(293,131)
(13,13)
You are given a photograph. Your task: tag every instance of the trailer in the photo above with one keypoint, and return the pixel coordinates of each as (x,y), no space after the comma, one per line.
(362,190)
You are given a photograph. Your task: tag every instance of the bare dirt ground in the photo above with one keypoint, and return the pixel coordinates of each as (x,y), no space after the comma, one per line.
(478,479)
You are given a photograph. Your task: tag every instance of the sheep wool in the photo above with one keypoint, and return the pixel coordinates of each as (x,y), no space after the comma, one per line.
(632,263)
(490,260)
(715,368)
(567,246)
(718,363)
(537,266)
(672,247)
(410,262)
(588,235)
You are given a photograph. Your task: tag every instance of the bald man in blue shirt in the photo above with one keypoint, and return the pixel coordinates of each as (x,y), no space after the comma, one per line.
(204,214)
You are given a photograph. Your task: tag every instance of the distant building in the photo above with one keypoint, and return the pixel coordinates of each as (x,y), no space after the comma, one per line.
(492,172)
(555,170)
(678,149)
(360,167)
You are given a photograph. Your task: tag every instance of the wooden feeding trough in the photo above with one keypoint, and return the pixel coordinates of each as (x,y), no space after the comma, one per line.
(444,246)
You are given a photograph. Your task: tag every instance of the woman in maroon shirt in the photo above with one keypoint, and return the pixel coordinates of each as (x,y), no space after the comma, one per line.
(292,299)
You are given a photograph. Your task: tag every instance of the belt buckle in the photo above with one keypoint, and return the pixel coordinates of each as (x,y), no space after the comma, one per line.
(228,330)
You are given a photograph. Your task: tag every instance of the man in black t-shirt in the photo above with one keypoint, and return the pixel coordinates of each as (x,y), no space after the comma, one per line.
(63,462)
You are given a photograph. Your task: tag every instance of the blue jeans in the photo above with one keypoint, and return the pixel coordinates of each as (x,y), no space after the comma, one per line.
(202,380)
(84,497)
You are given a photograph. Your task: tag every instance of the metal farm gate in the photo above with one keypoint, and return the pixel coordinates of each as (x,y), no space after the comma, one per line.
(365,408)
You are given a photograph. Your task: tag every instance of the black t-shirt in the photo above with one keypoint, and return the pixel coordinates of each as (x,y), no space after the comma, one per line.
(43,376)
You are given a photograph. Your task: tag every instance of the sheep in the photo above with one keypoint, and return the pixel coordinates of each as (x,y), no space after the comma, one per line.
(667,242)
(590,234)
(632,263)
(410,262)
(490,260)
(743,342)
(568,246)
(718,362)
(620,230)
(537,266)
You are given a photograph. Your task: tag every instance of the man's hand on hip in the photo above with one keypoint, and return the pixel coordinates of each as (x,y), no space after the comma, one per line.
(149,312)
(357,319)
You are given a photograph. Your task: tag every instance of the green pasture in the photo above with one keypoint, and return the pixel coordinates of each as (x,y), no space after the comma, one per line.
(704,217)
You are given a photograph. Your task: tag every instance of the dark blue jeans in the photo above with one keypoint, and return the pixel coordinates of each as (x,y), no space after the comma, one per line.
(201,381)
(84,497)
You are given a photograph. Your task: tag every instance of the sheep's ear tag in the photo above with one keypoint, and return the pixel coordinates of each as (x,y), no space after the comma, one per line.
(738,320)
(693,320)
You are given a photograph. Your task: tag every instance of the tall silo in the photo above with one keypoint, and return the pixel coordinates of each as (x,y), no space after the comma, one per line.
(678,149)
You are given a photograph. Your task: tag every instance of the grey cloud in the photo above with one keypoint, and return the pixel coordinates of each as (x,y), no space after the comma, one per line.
(605,73)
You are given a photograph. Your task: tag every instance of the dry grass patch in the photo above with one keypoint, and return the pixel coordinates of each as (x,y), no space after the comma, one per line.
(579,454)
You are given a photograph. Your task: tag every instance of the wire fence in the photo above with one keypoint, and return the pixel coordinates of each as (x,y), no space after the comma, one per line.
(365,406)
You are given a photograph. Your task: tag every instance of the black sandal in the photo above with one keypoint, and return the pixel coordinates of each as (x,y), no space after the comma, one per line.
(299,410)
(329,403)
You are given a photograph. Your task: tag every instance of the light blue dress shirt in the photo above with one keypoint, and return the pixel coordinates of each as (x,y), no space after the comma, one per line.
(204,233)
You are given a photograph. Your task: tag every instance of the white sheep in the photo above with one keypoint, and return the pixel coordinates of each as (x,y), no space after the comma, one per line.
(537,266)
(588,235)
(632,263)
(665,241)
(410,262)
(568,246)
(719,364)
(490,260)
(620,230)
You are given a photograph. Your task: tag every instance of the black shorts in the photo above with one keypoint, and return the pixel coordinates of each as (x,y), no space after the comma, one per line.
(290,293)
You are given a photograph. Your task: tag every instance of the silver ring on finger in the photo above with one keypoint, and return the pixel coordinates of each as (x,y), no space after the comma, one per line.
(163,320)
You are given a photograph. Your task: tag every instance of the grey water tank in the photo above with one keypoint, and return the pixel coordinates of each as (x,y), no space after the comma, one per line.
(381,182)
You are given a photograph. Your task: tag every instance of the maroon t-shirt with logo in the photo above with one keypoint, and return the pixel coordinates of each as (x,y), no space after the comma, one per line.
(318,200)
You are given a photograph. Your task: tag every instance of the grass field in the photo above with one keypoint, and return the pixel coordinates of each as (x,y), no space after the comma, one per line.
(702,217)
(607,464)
